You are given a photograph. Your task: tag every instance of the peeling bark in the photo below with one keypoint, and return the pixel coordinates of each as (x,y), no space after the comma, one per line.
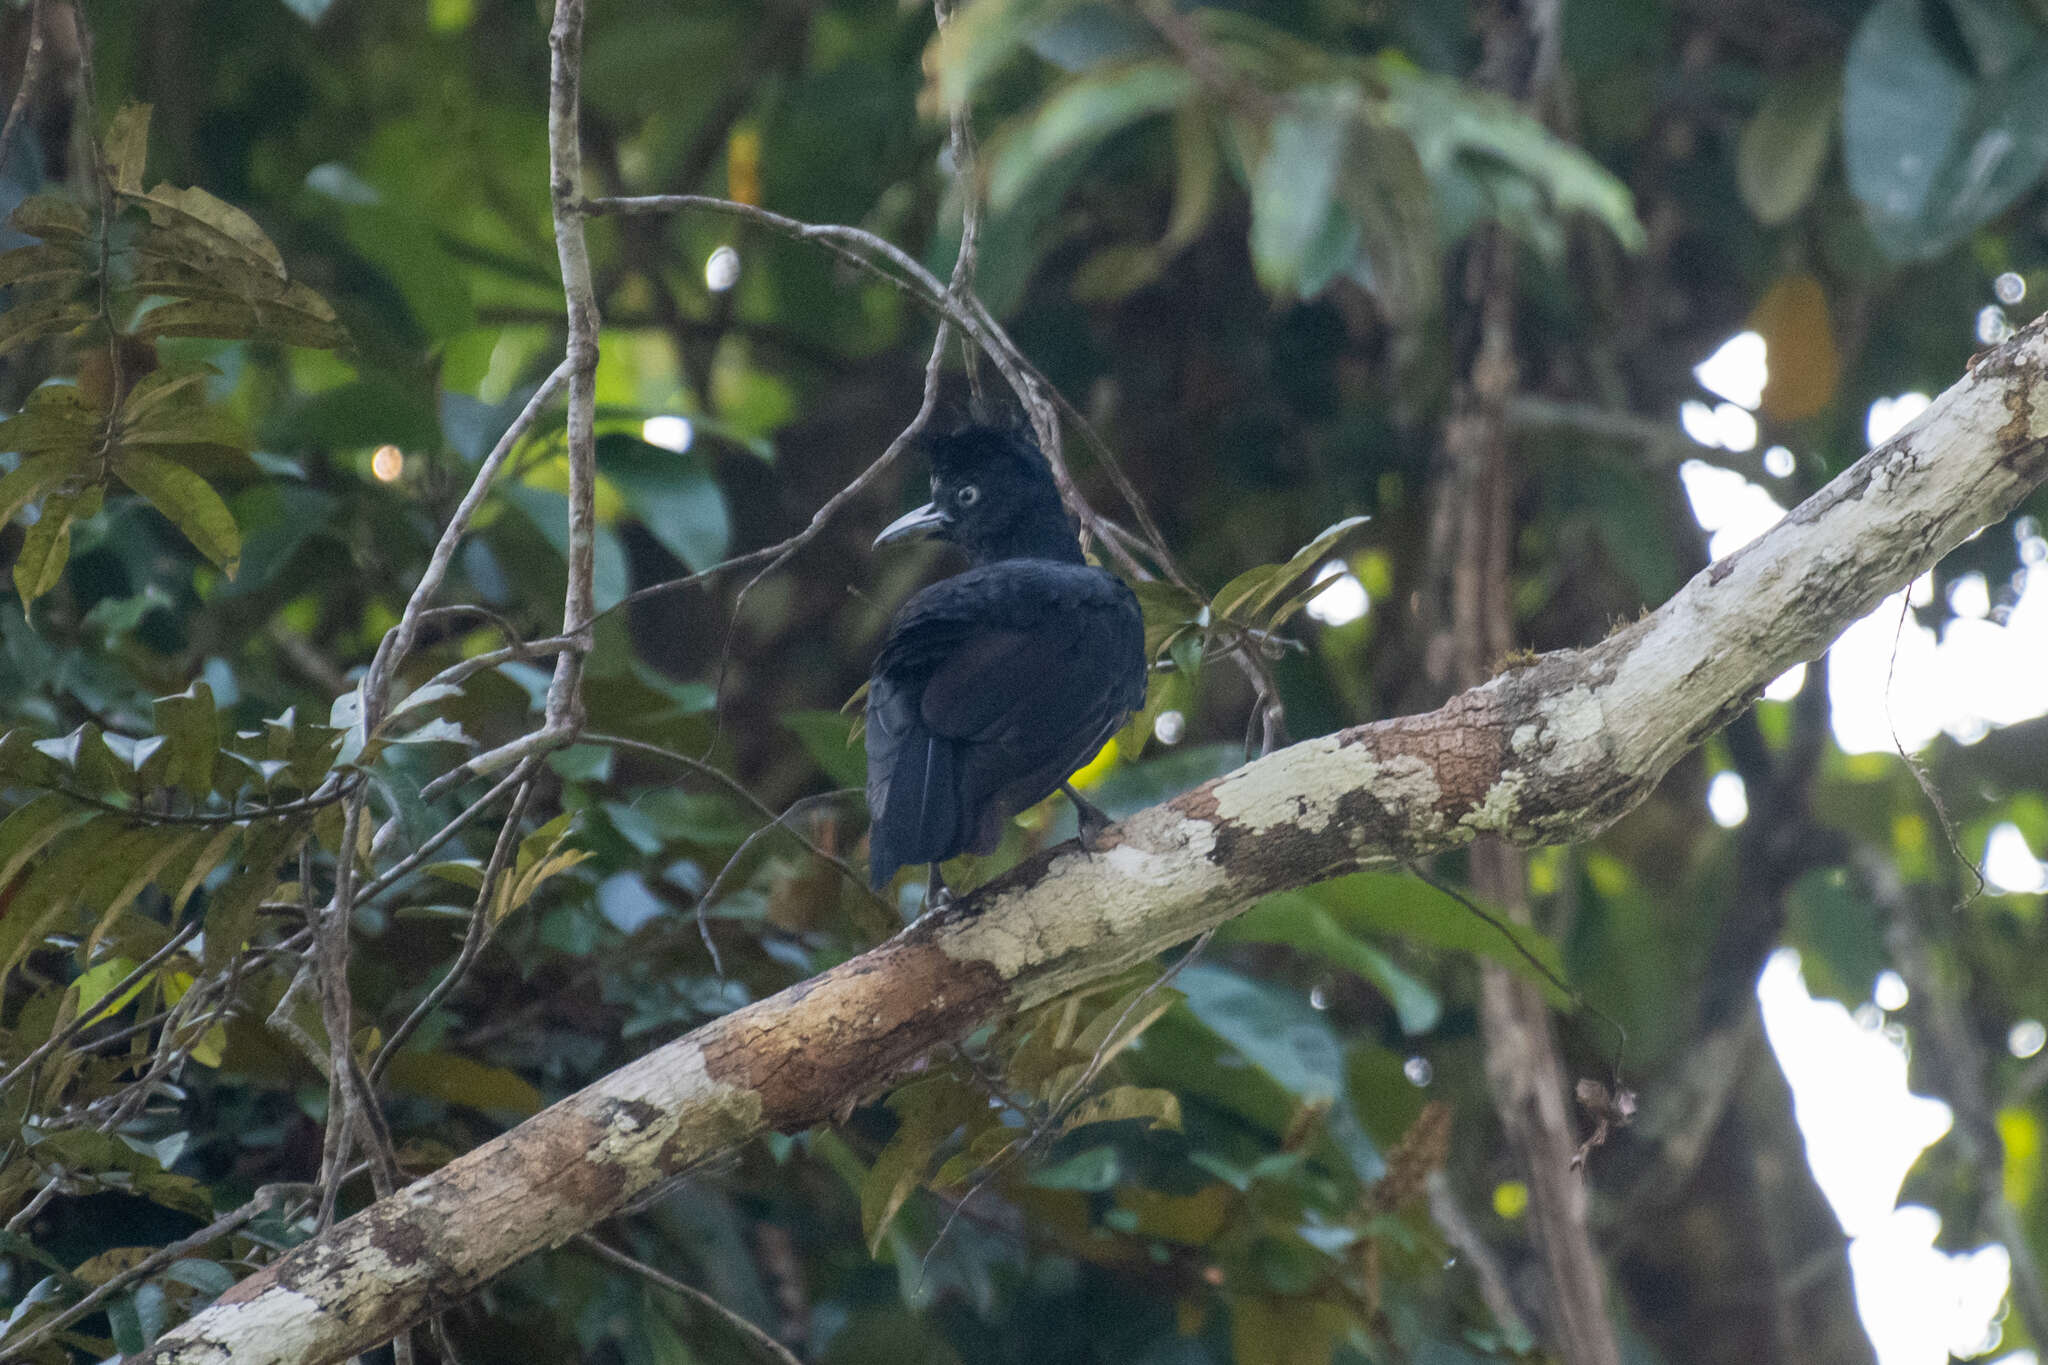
(1554,751)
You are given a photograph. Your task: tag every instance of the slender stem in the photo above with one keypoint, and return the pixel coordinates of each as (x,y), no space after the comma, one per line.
(398,641)
(31,76)
(93,1016)
(768,1347)
(565,173)
(478,934)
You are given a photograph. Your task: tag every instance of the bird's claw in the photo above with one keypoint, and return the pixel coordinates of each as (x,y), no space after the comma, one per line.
(1094,822)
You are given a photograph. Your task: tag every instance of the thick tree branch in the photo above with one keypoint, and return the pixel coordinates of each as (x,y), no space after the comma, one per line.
(1554,751)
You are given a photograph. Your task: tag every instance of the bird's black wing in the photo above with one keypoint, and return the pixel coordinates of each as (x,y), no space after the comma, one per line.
(993,687)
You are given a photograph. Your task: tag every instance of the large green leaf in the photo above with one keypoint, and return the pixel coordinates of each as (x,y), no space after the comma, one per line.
(1785,143)
(1448,121)
(47,547)
(187,501)
(984,36)
(1278,1032)
(673,494)
(1079,114)
(1934,148)
(1390,903)
(25,322)
(1294,186)
(1300,921)
(44,263)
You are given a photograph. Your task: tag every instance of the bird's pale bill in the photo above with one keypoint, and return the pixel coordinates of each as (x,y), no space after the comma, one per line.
(914,525)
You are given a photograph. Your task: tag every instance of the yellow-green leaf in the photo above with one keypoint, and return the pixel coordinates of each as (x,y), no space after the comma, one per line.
(194,210)
(461,1080)
(191,734)
(232,911)
(24,322)
(234,319)
(46,548)
(188,501)
(1161,1108)
(125,147)
(29,481)
(89,991)
(51,217)
(41,264)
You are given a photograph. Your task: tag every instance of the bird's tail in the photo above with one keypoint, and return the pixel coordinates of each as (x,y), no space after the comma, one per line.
(914,805)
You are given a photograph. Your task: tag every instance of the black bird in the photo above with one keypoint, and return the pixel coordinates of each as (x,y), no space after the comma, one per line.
(996,684)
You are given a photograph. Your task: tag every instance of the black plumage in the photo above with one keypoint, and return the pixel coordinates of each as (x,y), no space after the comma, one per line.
(996,684)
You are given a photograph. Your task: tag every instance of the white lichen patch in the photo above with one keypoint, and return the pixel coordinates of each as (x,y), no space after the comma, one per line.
(1574,727)
(1405,785)
(1084,899)
(1497,810)
(278,1327)
(1296,789)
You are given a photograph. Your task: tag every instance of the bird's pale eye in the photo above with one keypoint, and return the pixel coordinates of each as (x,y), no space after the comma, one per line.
(968,495)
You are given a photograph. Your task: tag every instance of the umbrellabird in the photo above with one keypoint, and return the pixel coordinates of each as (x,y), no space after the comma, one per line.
(996,684)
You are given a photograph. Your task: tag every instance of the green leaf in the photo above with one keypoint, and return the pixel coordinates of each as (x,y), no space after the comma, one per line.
(1388,903)
(189,503)
(1092,1172)
(927,1113)
(1933,149)
(46,549)
(1385,191)
(232,319)
(31,828)
(158,388)
(1168,610)
(42,264)
(984,37)
(51,217)
(1294,183)
(125,147)
(1277,1032)
(120,879)
(29,481)
(828,739)
(1256,593)
(56,420)
(464,1081)
(191,731)
(1299,921)
(673,495)
(183,875)
(231,913)
(1160,1108)
(24,322)
(1785,144)
(1080,113)
(194,212)
(52,888)
(1447,122)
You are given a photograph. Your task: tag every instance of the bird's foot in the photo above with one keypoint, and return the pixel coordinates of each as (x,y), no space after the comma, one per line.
(937,895)
(1094,821)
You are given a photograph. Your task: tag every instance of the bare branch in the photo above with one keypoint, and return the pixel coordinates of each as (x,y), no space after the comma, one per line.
(31,76)
(565,175)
